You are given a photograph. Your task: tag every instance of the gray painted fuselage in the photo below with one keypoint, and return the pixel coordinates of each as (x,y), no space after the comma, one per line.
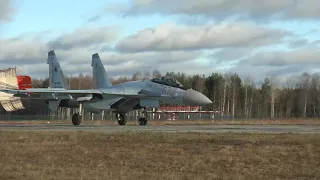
(153,93)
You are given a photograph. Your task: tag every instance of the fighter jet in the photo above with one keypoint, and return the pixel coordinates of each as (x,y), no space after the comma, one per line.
(121,98)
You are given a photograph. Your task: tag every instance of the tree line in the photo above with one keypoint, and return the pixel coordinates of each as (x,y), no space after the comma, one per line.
(236,97)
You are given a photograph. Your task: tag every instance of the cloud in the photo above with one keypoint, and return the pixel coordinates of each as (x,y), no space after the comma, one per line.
(6,10)
(283,58)
(247,70)
(152,59)
(21,51)
(198,49)
(258,73)
(221,9)
(286,71)
(84,37)
(279,64)
(316,42)
(298,43)
(168,37)
(109,8)
(119,64)
(30,54)
(127,63)
(228,54)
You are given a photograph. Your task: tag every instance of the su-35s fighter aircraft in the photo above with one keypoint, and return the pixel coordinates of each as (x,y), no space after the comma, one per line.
(120,98)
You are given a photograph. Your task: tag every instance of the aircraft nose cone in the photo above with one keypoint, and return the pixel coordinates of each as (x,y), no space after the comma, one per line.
(195,98)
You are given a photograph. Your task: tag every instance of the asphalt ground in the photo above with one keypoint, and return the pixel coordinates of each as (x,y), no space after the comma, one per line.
(167,128)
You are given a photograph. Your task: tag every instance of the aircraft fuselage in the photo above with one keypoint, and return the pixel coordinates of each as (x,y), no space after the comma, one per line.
(154,93)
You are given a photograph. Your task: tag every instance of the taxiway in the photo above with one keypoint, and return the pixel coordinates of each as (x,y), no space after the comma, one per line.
(167,128)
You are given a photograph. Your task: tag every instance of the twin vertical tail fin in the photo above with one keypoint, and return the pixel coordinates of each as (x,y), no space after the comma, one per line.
(56,76)
(57,79)
(99,74)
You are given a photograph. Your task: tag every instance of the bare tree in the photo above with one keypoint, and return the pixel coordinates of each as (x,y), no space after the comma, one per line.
(156,73)
(289,95)
(224,94)
(274,82)
(314,90)
(247,85)
(304,85)
(235,84)
(147,75)
(248,95)
(136,76)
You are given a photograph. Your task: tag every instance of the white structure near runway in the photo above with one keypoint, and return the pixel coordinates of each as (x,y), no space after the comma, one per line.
(8,79)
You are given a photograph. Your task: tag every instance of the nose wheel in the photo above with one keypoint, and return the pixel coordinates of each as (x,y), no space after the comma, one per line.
(143,120)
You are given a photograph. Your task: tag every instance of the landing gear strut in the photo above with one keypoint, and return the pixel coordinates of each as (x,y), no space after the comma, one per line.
(76,117)
(143,120)
(121,118)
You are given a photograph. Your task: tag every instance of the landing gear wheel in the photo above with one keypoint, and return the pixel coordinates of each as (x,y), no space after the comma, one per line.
(121,118)
(143,121)
(76,119)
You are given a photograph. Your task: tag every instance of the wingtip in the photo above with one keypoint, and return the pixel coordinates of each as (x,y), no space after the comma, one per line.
(51,53)
(95,55)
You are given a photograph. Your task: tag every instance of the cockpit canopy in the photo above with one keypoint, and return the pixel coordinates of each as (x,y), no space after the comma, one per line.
(169,81)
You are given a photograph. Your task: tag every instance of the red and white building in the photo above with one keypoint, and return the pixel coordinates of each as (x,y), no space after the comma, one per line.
(188,112)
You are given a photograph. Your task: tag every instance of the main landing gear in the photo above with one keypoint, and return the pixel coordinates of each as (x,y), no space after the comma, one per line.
(143,120)
(121,118)
(76,117)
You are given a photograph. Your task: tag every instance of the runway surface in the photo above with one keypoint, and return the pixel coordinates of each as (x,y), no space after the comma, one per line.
(167,128)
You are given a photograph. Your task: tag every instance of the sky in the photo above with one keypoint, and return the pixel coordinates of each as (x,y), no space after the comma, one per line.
(258,38)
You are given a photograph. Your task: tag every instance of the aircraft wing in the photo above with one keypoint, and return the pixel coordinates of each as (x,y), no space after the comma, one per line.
(51,94)
(48,90)
(80,95)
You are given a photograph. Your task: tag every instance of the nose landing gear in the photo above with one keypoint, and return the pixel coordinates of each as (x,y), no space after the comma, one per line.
(143,120)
